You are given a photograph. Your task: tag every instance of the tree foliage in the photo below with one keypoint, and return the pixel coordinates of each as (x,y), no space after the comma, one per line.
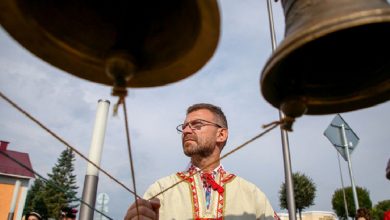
(304,193)
(338,201)
(58,191)
(61,187)
(380,208)
(35,199)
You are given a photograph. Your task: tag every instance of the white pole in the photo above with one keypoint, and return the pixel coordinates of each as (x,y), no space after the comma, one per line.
(14,199)
(95,154)
(96,148)
(346,147)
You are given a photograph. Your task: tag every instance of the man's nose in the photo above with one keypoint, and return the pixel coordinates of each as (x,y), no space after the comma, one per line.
(187,129)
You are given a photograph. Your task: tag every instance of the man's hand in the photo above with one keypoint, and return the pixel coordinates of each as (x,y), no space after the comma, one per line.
(148,209)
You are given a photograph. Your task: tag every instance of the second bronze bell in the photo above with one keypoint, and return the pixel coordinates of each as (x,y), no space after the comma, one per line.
(335,57)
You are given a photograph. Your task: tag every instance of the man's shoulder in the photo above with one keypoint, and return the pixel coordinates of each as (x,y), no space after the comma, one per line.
(160,185)
(167,179)
(252,194)
(245,184)
(172,178)
(243,181)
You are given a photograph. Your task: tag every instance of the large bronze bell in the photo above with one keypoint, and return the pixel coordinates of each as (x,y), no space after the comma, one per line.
(152,42)
(335,57)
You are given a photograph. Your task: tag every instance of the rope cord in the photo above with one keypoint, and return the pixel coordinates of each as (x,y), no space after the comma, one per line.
(130,154)
(53,184)
(64,142)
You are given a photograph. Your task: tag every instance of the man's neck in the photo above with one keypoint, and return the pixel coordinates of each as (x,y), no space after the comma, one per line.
(205,163)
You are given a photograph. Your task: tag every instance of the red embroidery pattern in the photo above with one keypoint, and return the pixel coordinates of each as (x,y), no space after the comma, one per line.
(188,177)
(221,218)
(276,217)
(208,177)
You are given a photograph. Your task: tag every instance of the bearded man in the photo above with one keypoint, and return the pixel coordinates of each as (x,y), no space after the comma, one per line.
(207,190)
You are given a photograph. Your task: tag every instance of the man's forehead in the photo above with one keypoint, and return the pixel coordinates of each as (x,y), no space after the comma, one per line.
(200,114)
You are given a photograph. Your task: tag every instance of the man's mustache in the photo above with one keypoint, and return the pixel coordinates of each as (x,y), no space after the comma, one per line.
(189,137)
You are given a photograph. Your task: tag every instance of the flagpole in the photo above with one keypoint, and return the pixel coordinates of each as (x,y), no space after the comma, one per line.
(284,136)
(95,154)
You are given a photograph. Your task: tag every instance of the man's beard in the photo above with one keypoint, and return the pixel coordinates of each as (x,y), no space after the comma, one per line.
(201,148)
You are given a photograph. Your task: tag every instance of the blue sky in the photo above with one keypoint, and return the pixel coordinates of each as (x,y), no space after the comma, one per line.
(67,105)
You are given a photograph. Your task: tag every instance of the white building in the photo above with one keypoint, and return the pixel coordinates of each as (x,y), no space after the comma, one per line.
(311,215)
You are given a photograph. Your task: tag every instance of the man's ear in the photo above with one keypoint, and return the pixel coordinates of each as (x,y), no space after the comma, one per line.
(222,135)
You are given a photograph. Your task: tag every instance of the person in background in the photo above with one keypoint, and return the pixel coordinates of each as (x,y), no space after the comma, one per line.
(363,214)
(33,216)
(386,215)
(68,213)
(208,191)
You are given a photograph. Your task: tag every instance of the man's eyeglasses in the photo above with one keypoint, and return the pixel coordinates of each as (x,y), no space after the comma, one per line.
(196,125)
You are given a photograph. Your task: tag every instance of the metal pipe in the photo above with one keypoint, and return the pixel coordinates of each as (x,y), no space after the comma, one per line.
(284,136)
(346,147)
(288,173)
(342,185)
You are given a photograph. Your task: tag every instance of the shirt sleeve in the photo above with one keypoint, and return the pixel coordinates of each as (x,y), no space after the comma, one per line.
(264,209)
(153,190)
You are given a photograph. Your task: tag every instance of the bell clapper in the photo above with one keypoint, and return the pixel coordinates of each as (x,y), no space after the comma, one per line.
(121,68)
(292,107)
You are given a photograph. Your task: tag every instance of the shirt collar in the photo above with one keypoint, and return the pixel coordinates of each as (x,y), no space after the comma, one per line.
(215,171)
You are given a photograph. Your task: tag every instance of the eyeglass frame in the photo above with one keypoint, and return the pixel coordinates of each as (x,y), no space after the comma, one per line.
(180,128)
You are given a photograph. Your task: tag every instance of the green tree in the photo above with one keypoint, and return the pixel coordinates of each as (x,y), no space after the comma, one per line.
(380,208)
(304,193)
(61,186)
(35,199)
(338,201)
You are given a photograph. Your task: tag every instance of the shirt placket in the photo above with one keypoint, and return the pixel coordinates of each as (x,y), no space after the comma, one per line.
(208,191)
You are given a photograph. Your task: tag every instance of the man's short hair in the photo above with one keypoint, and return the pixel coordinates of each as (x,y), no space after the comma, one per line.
(217,111)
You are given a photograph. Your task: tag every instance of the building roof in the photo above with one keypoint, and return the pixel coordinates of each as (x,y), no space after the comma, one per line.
(10,167)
